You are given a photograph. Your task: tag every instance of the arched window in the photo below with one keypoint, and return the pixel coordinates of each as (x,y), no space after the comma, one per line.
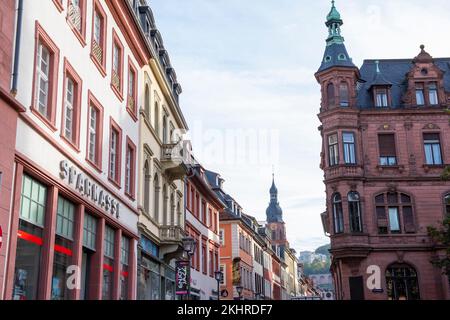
(402,282)
(354,210)
(338,216)
(172,210)
(164,128)
(330,95)
(156,115)
(147,101)
(394,213)
(147,179)
(165,198)
(156,197)
(343,94)
(447,204)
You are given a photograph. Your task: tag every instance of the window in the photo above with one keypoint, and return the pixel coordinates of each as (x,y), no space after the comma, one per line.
(89,232)
(108,264)
(432,145)
(394,213)
(147,102)
(330,95)
(381,98)
(388,155)
(420,97)
(117,66)
(63,249)
(223,269)
(124,273)
(203,213)
(29,243)
(338,216)
(333,150)
(164,129)
(222,231)
(147,179)
(156,188)
(156,123)
(98,46)
(76,17)
(45,78)
(433,94)
(95,131)
(402,283)
(72,105)
(88,252)
(115,152)
(354,208)
(447,204)
(132,90)
(349,147)
(130,162)
(204,258)
(211,263)
(343,94)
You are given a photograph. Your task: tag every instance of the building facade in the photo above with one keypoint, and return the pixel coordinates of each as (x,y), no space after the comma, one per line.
(9,109)
(162,168)
(74,208)
(202,223)
(385,132)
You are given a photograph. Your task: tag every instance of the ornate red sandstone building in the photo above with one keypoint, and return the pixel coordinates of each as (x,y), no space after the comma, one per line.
(386,138)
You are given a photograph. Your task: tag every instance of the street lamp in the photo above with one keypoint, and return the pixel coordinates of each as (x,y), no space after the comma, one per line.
(218,275)
(239,291)
(189,245)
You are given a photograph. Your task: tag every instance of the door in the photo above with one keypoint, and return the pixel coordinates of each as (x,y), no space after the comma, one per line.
(356,288)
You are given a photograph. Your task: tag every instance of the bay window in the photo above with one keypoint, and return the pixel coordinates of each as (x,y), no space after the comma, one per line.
(338,216)
(344,95)
(349,147)
(354,208)
(333,150)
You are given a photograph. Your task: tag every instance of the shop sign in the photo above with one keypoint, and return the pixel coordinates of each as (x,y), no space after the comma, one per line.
(88,188)
(182,277)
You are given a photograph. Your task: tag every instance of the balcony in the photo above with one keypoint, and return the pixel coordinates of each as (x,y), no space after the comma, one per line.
(343,171)
(175,158)
(171,234)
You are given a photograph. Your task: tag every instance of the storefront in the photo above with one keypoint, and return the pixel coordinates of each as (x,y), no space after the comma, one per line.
(156,280)
(74,236)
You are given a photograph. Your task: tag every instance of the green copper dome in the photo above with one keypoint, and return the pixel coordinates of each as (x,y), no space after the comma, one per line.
(334,15)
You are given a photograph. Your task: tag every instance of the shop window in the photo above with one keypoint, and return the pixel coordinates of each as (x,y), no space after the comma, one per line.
(108,264)
(65,216)
(29,242)
(89,247)
(402,283)
(124,261)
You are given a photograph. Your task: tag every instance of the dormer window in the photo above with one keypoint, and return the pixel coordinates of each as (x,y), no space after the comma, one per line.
(420,96)
(343,94)
(433,94)
(381,97)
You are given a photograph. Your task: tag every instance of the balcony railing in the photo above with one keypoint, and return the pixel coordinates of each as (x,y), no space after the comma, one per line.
(171,234)
(343,171)
(175,158)
(97,51)
(74,16)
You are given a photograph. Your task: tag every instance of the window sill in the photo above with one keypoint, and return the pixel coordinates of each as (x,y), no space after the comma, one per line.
(46,121)
(80,36)
(132,197)
(97,167)
(117,92)
(428,167)
(101,68)
(115,183)
(71,144)
(132,114)
(59,5)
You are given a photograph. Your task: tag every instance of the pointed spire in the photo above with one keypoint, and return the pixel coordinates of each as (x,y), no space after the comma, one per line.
(423,56)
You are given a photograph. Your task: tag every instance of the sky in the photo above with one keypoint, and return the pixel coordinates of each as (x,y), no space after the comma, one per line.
(250,96)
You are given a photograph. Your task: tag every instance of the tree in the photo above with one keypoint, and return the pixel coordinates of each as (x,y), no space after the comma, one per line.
(324,250)
(441,237)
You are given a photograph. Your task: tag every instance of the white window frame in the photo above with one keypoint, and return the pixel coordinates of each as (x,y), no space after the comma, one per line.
(43,77)
(113,154)
(93,118)
(69,111)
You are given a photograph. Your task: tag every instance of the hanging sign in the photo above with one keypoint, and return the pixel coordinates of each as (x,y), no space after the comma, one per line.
(182,277)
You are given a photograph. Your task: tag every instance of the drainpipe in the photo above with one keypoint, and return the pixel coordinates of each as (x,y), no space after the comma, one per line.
(15,74)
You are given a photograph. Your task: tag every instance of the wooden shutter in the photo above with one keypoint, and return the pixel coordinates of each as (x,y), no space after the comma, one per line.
(387,145)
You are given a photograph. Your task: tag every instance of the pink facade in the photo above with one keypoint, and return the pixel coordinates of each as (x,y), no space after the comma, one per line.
(386,133)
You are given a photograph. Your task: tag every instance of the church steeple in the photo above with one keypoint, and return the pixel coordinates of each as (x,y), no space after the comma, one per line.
(336,54)
(274,212)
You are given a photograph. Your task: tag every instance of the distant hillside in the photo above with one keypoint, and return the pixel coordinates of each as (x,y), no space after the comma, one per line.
(324,250)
